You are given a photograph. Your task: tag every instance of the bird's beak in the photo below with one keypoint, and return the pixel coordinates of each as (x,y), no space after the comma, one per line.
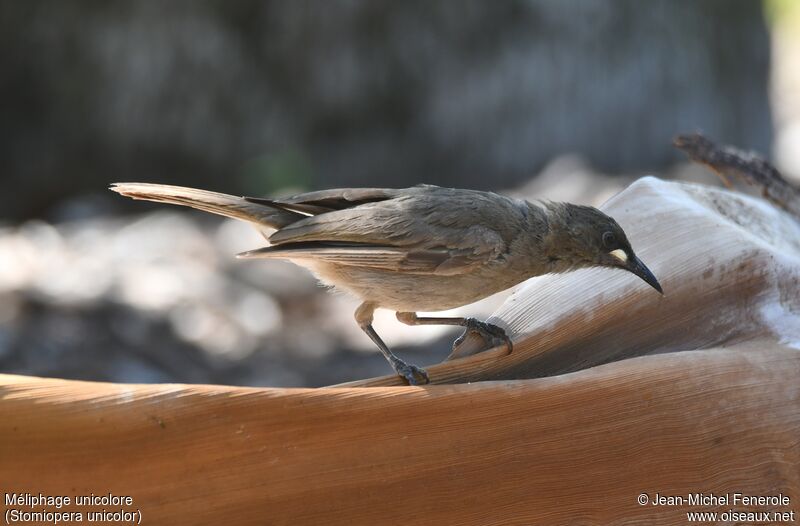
(635,265)
(622,259)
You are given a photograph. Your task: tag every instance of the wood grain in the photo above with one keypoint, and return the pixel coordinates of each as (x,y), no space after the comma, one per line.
(573,449)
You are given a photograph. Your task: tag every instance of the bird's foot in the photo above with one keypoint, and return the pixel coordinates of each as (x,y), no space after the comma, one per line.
(411,373)
(491,334)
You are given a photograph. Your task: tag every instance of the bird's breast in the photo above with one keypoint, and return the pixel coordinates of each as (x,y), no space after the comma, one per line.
(402,291)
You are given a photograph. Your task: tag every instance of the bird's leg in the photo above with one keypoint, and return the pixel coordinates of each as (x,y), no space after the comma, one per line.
(492,334)
(414,375)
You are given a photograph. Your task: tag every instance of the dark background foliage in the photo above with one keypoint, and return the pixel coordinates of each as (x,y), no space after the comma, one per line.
(256,96)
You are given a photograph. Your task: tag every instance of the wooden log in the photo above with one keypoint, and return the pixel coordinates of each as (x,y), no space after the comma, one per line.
(573,449)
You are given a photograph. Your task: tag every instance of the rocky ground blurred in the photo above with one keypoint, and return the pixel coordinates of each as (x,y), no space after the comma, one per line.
(159,297)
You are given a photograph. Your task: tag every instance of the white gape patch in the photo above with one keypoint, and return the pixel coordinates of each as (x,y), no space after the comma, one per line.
(620,255)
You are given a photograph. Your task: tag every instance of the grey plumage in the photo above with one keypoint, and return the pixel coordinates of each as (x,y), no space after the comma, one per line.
(421,248)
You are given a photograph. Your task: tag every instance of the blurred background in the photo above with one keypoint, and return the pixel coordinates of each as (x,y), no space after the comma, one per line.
(568,100)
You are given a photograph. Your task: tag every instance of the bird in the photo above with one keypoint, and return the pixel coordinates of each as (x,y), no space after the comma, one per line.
(419,249)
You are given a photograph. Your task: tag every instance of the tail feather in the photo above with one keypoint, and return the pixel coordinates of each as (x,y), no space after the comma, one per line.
(258,212)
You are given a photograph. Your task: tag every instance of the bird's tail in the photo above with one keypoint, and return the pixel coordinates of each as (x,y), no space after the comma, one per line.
(259,212)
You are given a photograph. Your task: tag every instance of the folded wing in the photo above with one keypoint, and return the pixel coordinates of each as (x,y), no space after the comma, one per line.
(426,230)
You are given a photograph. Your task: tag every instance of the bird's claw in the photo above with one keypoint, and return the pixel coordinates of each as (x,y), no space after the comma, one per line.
(411,373)
(491,334)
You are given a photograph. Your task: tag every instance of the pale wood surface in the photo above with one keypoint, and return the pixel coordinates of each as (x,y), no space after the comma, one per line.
(573,449)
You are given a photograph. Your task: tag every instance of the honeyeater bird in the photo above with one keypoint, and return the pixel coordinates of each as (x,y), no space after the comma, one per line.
(423,248)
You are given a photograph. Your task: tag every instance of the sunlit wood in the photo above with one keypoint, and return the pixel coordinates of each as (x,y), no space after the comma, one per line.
(578,448)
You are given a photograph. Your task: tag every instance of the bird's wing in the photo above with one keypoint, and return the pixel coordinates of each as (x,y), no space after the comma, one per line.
(320,202)
(340,198)
(439,231)
(440,262)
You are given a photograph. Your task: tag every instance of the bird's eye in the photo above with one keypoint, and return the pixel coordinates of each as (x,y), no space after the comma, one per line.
(609,240)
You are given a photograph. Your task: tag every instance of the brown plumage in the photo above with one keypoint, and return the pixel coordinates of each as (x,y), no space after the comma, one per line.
(423,248)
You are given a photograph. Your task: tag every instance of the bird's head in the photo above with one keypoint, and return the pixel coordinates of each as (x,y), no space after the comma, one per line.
(582,236)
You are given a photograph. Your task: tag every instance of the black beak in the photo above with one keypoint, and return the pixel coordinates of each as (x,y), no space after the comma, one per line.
(636,266)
